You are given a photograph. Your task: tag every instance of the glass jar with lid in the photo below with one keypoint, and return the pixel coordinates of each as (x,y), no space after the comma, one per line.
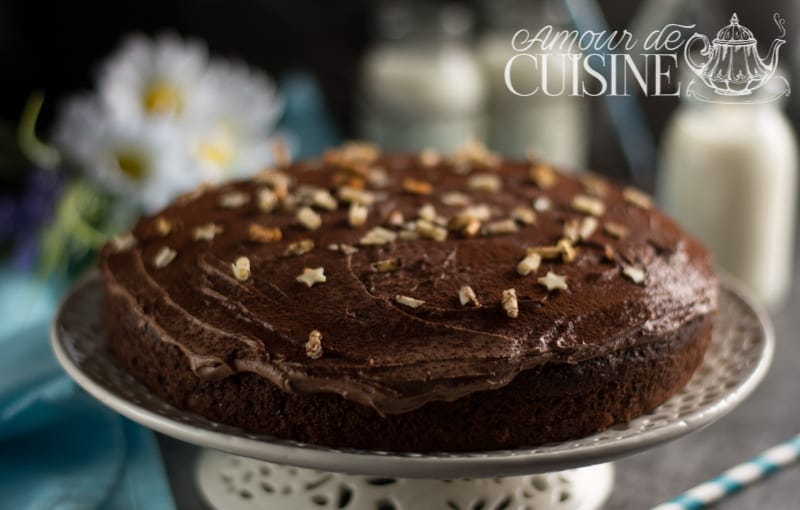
(728,174)
(420,85)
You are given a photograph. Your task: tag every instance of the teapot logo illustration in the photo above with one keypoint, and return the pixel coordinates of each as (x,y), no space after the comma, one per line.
(733,68)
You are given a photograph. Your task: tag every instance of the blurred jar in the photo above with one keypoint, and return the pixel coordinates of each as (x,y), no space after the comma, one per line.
(420,85)
(556,127)
(728,174)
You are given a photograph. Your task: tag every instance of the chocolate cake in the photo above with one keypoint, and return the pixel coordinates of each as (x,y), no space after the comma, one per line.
(411,302)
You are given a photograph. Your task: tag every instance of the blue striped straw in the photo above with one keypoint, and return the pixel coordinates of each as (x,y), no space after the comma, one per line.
(736,478)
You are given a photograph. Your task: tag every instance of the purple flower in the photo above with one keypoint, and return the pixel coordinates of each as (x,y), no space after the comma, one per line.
(23,215)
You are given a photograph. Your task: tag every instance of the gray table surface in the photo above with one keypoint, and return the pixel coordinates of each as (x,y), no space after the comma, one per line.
(769,416)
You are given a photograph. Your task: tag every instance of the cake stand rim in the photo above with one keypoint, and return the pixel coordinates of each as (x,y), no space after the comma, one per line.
(421,465)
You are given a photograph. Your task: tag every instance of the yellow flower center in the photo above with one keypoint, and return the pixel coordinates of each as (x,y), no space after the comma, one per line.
(217,153)
(131,164)
(217,150)
(162,99)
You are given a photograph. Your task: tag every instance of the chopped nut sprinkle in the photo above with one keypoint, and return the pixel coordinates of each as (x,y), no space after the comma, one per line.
(637,198)
(350,194)
(474,152)
(379,177)
(408,235)
(608,253)
(431,231)
(568,253)
(427,212)
(572,230)
(206,232)
(378,236)
(510,304)
(357,214)
(233,199)
(281,151)
(485,182)
(278,181)
(615,229)
(524,215)
(288,202)
(314,345)
(263,234)
(396,218)
(471,229)
(529,264)
(192,195)
(164,256)
(553,281)
(636,274)
(123,242)
(430,158)
(507,226)
(309,219)
(163,226)
(543,176)
(417,187)
(313,276)
(386,265)
(588,205)
(594,185)
(300,247)
(587,227)
(341,179)
(348,249)
(546,252)
(455,198)
(352,154)
(469,214)
(241,269)
(409,301)
(323,199)
(542,204)
(467,295)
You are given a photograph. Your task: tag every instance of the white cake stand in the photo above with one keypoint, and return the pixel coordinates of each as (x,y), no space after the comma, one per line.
(260,471)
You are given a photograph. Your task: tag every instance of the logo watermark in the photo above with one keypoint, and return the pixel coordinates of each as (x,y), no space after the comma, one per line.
(616,63)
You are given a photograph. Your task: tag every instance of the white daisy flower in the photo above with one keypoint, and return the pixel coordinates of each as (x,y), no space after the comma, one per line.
(224,151)
(170,79)
(167,117)
(234,90)
(241,108)
(141,161)
(160,79)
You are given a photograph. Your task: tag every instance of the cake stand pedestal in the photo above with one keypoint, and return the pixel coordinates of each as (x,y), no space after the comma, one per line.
(231,482)
(260,471)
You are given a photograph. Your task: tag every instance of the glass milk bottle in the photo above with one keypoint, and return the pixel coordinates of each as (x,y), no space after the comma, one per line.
(728,174)
(517,124)
(420,85)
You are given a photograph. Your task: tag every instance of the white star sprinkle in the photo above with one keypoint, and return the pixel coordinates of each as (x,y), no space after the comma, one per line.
(312,276)
(553,281)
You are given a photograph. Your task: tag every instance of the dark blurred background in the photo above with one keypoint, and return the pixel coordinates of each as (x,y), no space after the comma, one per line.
(53,46)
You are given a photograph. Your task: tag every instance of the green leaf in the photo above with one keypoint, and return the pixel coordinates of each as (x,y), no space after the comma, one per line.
(40,153)
(85,219)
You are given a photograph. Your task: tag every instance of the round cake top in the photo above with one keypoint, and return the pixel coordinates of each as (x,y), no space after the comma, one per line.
(395,280)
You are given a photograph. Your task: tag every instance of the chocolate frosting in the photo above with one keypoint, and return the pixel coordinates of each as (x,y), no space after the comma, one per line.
(377,351)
